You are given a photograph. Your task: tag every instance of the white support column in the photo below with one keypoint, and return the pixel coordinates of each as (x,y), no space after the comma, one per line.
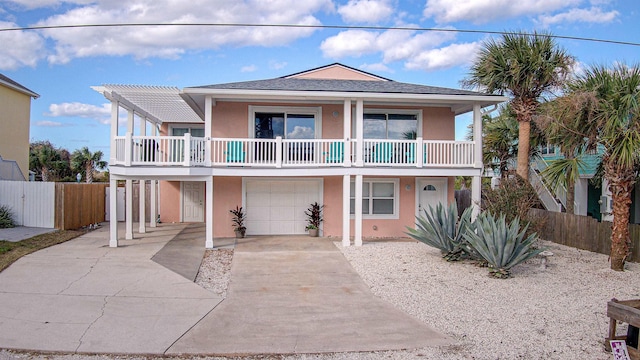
(476,196)
(278,152)
(419,152)
(187,150)
(153,207)
(346,209)
(142,211)
(208,104)
(347,132)
(115,107)
(357,239)
(477,136)
(209,213)
(113,213)
(128,192)
(359,132)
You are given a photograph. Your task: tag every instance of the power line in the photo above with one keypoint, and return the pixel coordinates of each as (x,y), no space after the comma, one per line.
(343,27)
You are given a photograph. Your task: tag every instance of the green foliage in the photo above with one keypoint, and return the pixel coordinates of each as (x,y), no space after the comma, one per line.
(513,199)
(49,162)
(85,162)
(239,218)
(6,217)
(314,216)
(441,229)
(502,246)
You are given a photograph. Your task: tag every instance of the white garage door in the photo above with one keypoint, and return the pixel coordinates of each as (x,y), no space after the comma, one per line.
(276,207)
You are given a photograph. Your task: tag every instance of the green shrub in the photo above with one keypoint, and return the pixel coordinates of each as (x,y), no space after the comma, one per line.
(502,246)
(441,229)
(513,199)
(6,217)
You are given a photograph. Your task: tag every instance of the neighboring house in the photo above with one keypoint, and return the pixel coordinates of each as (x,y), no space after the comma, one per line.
(15,102)
(589,200)
(373,151)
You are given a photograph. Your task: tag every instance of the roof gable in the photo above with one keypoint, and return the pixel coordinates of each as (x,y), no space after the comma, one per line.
(17,87)
(335,71)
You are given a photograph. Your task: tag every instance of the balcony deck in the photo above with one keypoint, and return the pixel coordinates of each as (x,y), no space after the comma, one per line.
(245,153)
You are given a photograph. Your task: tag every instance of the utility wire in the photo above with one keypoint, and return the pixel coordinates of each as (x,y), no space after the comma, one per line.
(343,27)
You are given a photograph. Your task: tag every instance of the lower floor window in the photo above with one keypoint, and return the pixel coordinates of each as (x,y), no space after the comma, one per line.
(378,198)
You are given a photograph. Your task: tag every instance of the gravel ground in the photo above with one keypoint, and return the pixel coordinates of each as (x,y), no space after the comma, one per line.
(557,311)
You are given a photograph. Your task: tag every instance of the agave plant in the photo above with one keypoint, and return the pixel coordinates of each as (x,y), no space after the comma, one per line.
(440,228)
(502,246)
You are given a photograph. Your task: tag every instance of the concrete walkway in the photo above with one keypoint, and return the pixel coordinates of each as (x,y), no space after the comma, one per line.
(19,233)
(300,295)
(287,295)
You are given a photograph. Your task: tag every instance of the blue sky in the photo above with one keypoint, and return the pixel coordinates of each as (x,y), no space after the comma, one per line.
(62,64)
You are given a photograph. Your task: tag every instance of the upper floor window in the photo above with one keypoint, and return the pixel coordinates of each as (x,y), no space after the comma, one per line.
(180,131)
(547,149)
(288,123)
(390,125)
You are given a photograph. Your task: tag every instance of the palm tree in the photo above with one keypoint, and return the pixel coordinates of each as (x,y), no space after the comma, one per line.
(614,105)
(500,140)
(525,66)
(566,124)
(605,106)
(84,161)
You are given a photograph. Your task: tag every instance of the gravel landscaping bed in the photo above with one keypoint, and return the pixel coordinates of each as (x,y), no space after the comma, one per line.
(552,311)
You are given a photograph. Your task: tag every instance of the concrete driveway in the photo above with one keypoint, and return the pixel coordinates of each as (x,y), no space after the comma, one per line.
(286,295)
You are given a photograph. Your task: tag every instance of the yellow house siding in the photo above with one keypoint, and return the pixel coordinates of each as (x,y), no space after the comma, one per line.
(15,114)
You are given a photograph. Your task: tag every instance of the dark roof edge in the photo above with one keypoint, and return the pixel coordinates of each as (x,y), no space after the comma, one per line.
(17,86)
(336,63)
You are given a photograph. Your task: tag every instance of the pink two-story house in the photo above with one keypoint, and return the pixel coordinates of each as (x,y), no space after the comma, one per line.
(373,151)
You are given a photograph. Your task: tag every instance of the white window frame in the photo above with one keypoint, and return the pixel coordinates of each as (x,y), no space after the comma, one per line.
(185,126)
(316,111)
(396,198)
(417,112)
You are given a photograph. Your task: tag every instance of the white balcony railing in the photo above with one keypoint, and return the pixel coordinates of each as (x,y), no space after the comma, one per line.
(281,153)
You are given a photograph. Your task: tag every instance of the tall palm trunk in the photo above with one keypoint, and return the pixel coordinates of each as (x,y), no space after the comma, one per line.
(89,172)
(571,197)
(621,184)
(45,174)
(524,131)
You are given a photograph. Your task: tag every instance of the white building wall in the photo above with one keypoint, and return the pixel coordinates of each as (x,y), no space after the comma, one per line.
(581,196)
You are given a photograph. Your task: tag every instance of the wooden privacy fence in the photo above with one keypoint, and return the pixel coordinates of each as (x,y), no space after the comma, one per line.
(79,205)
(583,232)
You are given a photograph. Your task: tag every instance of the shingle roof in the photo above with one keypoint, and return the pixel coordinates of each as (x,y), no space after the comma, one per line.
(357,86)
(16,86)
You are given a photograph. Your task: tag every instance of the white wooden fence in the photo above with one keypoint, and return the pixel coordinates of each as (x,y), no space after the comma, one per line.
(32,203)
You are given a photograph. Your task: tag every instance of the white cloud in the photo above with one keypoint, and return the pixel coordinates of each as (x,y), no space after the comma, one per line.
(418,50)
(483,11)
(277,65)
(26,47)
(446,57)
(248,68)
(34,4)
(350,43)
(47,123)
(592,15)
(171,42)
(101,114)
(365,11)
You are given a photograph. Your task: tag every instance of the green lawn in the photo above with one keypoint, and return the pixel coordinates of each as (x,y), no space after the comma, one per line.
(12,251)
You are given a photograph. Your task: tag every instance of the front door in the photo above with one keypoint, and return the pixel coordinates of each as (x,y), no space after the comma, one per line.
(431,192)
(193,201)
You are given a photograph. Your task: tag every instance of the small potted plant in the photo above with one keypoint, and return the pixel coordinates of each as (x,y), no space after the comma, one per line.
(238,221)
(314,218)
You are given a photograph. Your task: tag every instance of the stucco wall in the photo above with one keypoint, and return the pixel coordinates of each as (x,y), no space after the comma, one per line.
(14,122)
(169,201)
(227,194)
